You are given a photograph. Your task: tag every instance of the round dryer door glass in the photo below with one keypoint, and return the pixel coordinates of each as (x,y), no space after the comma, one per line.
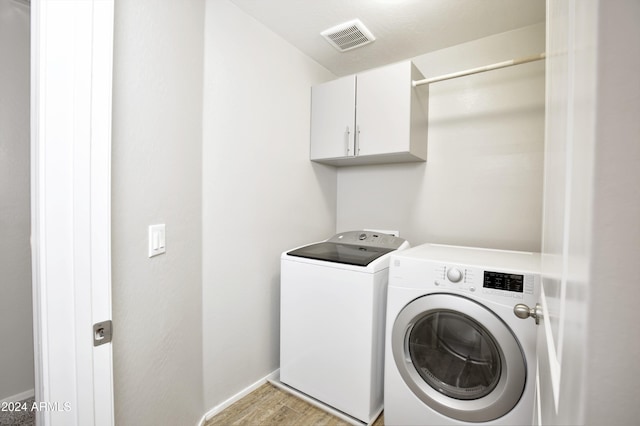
(458,357)
(455,355)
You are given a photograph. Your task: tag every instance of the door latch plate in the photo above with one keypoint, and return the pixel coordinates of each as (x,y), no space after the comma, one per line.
(102,333)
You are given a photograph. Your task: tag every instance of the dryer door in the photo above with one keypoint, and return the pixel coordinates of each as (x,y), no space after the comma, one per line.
(458,357)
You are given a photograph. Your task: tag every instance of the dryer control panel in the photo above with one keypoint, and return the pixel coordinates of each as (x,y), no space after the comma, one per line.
(475,280)
(498,275)
(503,281)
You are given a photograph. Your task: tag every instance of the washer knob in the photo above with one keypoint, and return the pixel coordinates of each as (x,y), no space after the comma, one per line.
(454,275)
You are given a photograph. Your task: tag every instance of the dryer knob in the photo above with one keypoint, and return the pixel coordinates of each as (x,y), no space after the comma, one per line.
(454,275)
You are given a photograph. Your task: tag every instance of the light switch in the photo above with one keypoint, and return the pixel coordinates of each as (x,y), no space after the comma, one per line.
(156,240)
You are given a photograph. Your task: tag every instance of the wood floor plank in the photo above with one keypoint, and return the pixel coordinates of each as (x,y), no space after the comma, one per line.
(263,408)
(297,404)
(283,416)
(271,406)
(240,408)
(316,417)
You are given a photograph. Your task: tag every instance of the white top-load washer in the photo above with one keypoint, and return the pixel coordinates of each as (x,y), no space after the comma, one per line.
(457,350)
(332,315)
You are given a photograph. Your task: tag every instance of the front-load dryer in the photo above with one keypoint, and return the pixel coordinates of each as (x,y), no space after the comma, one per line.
(455,352)
(333,299)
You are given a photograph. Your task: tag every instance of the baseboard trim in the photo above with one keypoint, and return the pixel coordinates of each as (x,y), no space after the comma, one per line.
(246,391)
(19,397)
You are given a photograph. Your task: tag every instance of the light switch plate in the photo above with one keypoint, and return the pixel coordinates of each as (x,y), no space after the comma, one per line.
(157,240)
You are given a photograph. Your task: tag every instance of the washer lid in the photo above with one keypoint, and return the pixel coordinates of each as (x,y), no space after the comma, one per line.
(358,248)
(341,253)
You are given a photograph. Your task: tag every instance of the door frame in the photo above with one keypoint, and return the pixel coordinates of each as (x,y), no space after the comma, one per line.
(71,75)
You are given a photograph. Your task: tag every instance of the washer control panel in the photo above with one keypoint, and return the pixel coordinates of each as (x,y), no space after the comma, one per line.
(475,280)
(368,239)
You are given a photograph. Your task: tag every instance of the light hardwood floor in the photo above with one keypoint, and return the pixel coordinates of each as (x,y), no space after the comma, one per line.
(269,406)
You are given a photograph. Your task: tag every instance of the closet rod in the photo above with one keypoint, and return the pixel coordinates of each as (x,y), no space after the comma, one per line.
(478,70)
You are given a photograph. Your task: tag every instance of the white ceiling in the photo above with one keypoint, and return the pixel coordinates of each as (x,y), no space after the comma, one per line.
(403,28)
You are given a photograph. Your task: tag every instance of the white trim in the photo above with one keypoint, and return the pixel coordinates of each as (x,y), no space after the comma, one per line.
(538,405)
(37,258)
(72,44)
(554,363)
(19,396)
(246,391)
(100,191)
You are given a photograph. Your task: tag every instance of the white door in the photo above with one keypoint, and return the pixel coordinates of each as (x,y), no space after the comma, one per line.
(72,44)
(567,221)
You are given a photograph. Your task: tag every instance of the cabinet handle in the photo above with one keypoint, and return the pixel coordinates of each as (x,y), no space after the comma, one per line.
(357,142)
(346,138)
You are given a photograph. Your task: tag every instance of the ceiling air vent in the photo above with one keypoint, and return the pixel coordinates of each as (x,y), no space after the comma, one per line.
(348,36)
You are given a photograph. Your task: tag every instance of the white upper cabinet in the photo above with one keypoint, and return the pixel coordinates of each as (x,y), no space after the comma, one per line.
(373,117)
(333,118)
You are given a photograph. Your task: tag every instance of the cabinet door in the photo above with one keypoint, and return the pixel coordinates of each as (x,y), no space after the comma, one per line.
(332,118)
(383,110)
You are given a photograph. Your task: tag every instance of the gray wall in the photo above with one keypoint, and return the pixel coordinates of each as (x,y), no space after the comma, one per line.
(157,178)
(482,182)
(261,195)
(16,330)
(614,348)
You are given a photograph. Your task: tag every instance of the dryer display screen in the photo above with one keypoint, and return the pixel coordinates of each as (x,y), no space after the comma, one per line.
(502,281)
